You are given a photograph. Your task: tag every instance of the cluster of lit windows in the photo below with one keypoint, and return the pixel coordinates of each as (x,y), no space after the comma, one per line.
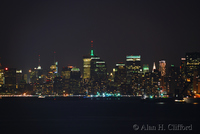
(75,69)
(120,64)
(86,65)
(196,64)
(100,65)
(95,58)
(100,62)
(134,57)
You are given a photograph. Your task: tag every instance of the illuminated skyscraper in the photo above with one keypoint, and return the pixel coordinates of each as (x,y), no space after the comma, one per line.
(183,68)
(192,63)
(87,63)
(162,69)
(86,67)
(133,64)
(19,77)
(134,71)
(92,65)
(98,70)
(190,70)
(120,72)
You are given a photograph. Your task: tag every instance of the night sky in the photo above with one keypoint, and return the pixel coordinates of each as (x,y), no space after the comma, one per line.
(153,29)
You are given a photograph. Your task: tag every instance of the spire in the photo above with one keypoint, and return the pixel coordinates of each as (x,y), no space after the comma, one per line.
(154,66)
(92,51)
(39,60)
(39,67)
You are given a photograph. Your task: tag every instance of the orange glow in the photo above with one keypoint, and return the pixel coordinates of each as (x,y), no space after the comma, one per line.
(197,95)
(91,41)
(70,66)
(188,80)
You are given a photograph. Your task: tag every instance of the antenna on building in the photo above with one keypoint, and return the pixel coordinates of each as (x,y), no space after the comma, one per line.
(39,67)
(39,60)
(92,51)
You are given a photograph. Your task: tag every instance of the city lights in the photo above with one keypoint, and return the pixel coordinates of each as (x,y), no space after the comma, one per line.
(129,79)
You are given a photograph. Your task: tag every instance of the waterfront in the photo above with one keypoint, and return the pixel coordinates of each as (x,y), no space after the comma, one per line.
(80,115)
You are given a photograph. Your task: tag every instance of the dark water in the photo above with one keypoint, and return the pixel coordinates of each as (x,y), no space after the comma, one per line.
(78,115)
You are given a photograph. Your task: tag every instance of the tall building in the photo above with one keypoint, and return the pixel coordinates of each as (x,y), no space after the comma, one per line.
(190,70)
(1,76)
(19,77)
(71,80)
(25,77)
(66,74)
(120,74)
(10,79)
(183,68)
(54,69)
(86,67)
(174,81)
(162,69)
(192,63)
(133,64)
(98,70)
(94,73)
(75,81)
(93,67)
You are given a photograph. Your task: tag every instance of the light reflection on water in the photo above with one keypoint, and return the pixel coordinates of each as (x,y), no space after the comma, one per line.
(160,103)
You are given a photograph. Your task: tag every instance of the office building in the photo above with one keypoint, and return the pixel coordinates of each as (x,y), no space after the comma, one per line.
(10,79)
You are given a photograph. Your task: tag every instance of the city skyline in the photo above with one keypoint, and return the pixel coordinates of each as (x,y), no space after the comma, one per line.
(153,29)
(99,66)
(39,65)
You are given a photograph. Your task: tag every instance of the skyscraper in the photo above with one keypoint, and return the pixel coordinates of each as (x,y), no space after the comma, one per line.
(162,69)
(133,64)
(19,77)
(86,67)
(174,81)
(1,76)
(192,63)
(10,79)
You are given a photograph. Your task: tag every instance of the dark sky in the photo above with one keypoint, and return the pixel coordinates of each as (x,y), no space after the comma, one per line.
(156,30)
